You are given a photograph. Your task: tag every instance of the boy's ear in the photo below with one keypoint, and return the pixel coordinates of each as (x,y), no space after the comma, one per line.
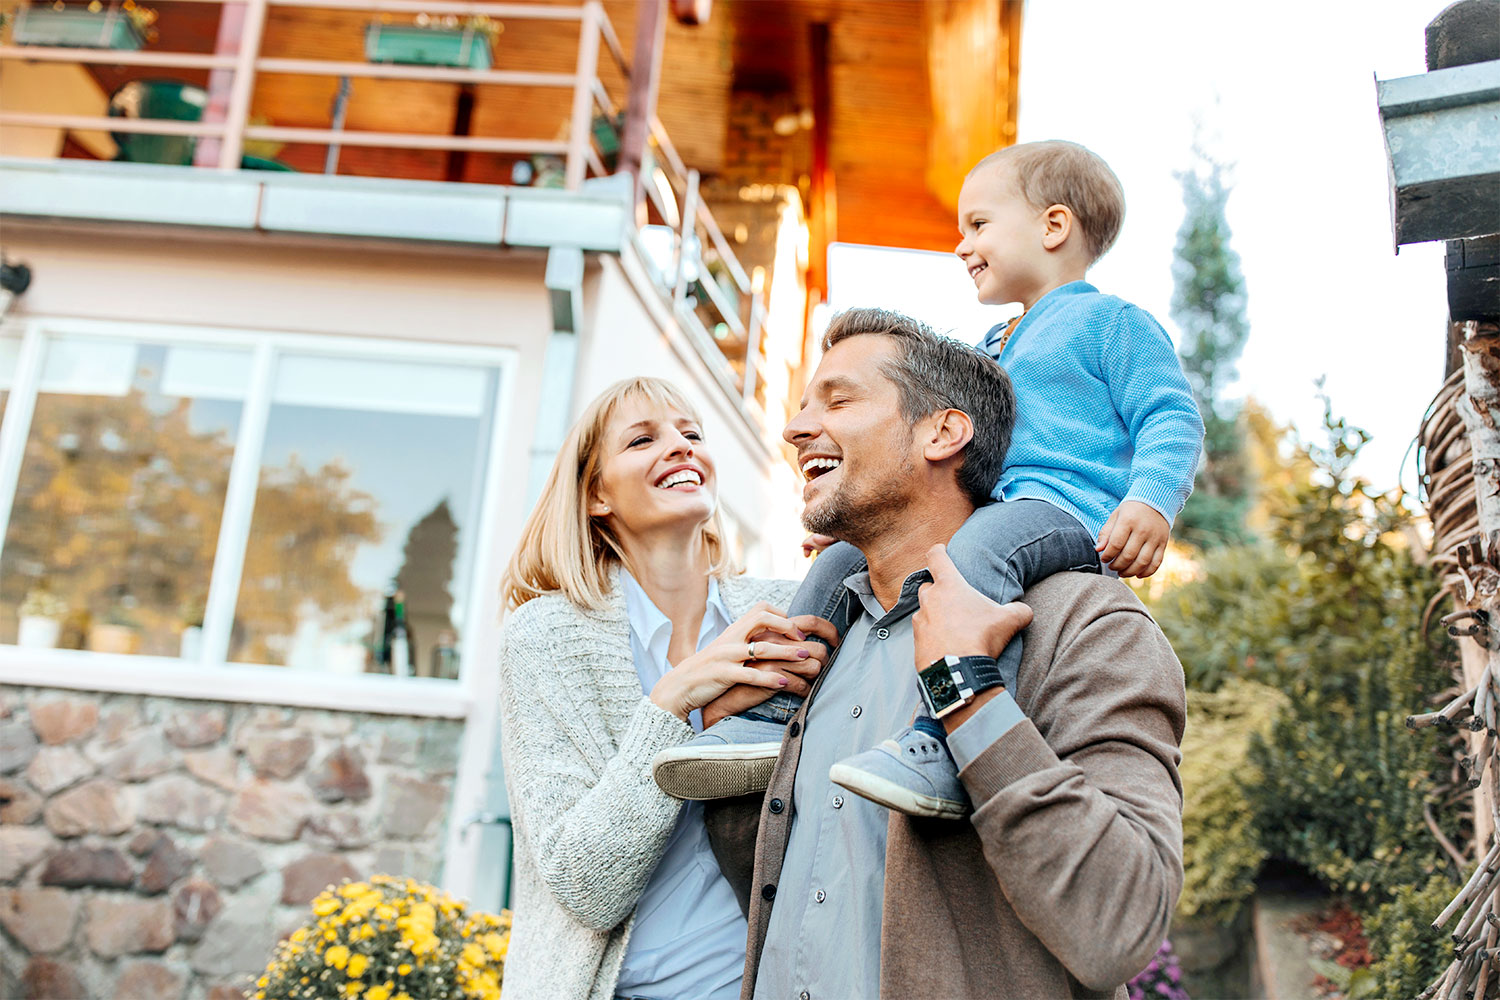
(948,432)
(1058,222)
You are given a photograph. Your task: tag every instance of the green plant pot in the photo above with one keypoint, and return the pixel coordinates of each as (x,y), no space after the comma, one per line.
(76,28)
(414,45)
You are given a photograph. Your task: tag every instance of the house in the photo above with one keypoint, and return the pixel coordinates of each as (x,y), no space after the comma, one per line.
(303,331)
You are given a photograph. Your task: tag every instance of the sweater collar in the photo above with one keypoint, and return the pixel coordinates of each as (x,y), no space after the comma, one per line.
(1042,306)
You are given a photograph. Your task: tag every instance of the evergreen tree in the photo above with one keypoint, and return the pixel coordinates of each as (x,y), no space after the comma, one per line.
(1208,305)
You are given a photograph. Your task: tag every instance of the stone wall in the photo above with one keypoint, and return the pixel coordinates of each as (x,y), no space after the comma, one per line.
(156,849)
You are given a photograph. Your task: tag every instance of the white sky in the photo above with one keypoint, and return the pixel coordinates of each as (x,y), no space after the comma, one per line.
(1286,94)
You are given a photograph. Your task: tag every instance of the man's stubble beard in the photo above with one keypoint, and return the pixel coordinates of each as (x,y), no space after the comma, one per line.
(860,517)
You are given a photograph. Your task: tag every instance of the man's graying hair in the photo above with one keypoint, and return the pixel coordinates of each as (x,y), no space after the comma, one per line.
(933,372)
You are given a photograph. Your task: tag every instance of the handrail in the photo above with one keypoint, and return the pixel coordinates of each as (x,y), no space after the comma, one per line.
(513,11)
(101,123)
(115,57)
(397,71)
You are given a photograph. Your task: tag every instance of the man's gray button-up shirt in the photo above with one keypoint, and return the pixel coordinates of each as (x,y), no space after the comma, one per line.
(824,935)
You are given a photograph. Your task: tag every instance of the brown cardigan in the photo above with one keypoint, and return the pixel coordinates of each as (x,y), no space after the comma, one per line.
(1064,880)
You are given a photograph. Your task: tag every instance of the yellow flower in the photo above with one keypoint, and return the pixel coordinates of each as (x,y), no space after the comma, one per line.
(378,993)
(403,969)
(473,954)
(403,995)
(324,905)
(337,956)
(357,965)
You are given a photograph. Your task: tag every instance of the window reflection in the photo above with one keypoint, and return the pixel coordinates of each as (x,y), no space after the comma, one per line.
(365,509)
(116,515)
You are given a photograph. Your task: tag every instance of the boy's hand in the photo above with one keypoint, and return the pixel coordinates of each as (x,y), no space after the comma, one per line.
(1134,539)
(816,543)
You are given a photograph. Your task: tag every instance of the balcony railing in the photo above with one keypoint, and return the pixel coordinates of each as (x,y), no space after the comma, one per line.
(710,294)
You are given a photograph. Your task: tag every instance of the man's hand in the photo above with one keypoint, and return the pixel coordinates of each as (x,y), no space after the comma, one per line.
(1134,539)
(816,543)
(954,619)
(799,673)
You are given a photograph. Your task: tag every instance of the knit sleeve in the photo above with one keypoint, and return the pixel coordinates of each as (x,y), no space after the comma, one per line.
(1151,395)
(597,834)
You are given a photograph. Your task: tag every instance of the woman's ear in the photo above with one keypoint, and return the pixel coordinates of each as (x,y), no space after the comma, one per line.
(1058,224)
(598,508)
(950,431)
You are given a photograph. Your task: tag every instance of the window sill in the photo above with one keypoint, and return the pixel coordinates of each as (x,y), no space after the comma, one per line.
(174,678)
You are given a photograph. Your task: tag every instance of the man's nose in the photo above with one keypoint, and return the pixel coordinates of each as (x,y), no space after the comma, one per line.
(799,428)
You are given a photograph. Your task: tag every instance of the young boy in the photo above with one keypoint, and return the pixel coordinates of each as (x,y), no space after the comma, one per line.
(1101,460)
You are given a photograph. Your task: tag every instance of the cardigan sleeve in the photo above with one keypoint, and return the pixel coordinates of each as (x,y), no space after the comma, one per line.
(597,835)
(1079,807)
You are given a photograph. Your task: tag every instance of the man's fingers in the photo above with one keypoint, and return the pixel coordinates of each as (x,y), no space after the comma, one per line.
(940,566)
(815,627)
(1018,614)
(767,621)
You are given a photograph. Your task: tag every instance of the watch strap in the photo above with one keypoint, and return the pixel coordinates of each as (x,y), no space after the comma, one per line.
(981,672)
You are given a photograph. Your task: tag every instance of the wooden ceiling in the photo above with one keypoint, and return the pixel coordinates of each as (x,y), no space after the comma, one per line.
(881,63)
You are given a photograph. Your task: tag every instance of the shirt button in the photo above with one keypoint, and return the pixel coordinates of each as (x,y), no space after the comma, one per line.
(768,892)
(882,633)
(838,802)
(855,711)
(820,895)
(794,728)
(804,995)
(777,805)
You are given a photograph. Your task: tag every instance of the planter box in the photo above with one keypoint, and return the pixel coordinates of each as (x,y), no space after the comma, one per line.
(36,632)
(413,45)
(77,28)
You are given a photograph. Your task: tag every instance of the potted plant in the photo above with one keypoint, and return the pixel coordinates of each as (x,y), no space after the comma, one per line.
(42,614)
(117,632)
(433,42)
(125,26)
(386,939)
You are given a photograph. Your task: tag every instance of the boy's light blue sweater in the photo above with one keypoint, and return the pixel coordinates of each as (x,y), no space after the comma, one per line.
(1104,411)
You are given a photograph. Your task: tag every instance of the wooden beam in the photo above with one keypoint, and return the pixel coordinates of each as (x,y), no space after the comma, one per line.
(640,107)
(221,81)
(823,200)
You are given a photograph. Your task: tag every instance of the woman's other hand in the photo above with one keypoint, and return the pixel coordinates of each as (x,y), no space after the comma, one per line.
(813,544)
(799,673)
(763,636)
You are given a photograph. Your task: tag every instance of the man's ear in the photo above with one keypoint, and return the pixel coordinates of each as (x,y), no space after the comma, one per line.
(948,431)
(1058,223)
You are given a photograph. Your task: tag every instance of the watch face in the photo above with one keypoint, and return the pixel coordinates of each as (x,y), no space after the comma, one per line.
(938,680)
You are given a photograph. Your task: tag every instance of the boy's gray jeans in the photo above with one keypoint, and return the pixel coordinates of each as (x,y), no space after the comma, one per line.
(1003,548)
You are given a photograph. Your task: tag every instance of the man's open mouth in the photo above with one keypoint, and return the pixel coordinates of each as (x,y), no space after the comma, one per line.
(812,468)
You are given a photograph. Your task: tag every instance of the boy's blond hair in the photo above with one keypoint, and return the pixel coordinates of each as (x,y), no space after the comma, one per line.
(1057,172)
(562,547)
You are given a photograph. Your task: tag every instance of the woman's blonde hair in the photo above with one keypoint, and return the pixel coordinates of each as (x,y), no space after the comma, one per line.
(562,548)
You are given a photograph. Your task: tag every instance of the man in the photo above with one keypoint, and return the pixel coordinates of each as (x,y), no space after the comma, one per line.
(1063,881)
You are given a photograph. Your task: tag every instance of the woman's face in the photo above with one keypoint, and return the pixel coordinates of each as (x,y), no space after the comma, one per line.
(655,471)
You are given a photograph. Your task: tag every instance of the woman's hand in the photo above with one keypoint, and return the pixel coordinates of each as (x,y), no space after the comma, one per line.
(764,635)
(799,673)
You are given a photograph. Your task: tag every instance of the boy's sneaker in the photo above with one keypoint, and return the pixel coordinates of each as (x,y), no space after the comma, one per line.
(911,773)
(734,756)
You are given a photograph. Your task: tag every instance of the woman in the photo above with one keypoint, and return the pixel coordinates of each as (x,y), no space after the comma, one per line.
(626,624)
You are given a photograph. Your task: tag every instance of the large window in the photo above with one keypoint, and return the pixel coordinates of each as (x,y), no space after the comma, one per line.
(217,497)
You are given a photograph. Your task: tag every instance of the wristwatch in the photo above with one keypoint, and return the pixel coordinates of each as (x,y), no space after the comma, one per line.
(953,681)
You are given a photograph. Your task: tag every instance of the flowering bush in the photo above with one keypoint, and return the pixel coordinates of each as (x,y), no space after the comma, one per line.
(389,939)
(1161,980)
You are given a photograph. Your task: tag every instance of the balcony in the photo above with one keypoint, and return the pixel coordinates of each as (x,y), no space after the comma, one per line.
(273,116)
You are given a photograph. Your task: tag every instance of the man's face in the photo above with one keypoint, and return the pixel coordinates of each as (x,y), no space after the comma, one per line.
(854,447)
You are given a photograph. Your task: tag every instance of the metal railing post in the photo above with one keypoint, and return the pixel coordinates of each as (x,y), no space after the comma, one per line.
(685,234)
(583,95)
(752,348)
(244,86)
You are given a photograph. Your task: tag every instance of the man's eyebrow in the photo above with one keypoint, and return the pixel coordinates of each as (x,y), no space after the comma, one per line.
(834,383)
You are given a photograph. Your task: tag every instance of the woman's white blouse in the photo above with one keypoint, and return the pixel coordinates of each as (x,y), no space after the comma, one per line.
(688,941)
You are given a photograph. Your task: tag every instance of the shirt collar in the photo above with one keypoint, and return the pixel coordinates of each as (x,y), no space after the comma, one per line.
(906,602)
(1041,306)
(653,628)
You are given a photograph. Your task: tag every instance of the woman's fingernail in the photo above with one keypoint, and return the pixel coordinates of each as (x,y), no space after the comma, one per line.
(798,633)
(802,654)
(781,681)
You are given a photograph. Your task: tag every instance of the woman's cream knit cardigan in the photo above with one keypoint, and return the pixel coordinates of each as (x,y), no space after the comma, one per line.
(590,824)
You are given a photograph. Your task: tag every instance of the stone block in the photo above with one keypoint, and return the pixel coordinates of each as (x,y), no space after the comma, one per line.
(88,867)
(194,906)
(224,991)
(144,755)
(40,919)
(166,864)
(339,776)
(177,800)
(411,806)
(342,828)
(277,755)
(124,926)
(219,766)
(257,721)
(96,806)
(229,862)
(20,848)
(440,747)
(116,720)
(399,740)
(45,979)
(148,980)
(19,805)
(303,879)
(327,723)
(17,744)
(197,727)
(63,720)
(240,939)
(270,811)
(55,768)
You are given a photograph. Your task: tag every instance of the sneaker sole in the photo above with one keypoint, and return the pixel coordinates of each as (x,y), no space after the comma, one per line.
(699,774)
(893,796)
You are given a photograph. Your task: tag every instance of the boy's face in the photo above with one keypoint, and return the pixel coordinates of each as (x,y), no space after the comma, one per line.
(1001,237)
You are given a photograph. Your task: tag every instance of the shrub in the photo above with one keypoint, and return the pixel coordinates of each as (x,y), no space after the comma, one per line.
(1409,954)
(1221,849)
(390,939)
(1161,980)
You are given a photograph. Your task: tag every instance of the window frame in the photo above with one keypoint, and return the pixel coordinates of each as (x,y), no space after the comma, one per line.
(213,676)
